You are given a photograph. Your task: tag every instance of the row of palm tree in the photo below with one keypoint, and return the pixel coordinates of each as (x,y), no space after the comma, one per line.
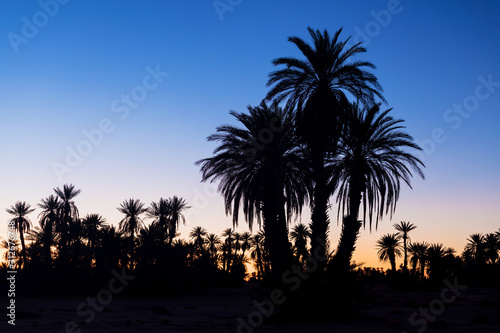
(307,141)
(435,259)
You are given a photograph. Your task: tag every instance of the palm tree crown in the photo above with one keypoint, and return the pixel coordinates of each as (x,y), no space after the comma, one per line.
(22,223)
(389,247)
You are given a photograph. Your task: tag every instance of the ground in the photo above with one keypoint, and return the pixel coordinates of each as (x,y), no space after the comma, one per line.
(217,310)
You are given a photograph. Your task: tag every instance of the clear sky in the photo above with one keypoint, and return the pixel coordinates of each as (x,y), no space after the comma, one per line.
(72,67)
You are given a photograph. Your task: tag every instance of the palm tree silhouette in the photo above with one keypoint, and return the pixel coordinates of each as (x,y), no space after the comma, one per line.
(48,219)
(317,87)
(227,248)
(476,244)
(300,236)
(371,162)
(68,214)
(259,254)
(198,236)
(419,250)
(132,222)
(161,213)
(389,247)
(435,256)
(491,247)
(404,229)
(177,207)
(267,179)
(91,225)
(22,223)
(213,242)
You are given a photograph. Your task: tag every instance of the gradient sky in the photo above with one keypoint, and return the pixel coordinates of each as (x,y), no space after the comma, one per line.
(64,78)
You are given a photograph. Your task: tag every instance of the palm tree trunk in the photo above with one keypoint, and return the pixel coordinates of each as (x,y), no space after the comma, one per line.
(21,236)
(319,216)
(392,258)
(350,227)
(406,254)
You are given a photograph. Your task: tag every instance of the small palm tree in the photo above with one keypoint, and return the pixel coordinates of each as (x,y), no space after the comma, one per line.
(228,246)
(419,250)
(213,241)
(435,257)
(476,244)
(300,235)
(389,247)
(259,254)
(91,225)
(48,219)
(198,236)
(22,223)
(245,239)
(68,214)
(403,229)
(132,222)
(491,247)
(177,207)
(161,213)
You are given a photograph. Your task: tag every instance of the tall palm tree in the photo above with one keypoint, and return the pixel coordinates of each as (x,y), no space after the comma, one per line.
(389,247)
(317,88)
(300,236)
(68,214)
(372,161)
(419,250)
(22,223)
(261,168)
(132,222)
(228,245)
(177,208)
(403,228)
(48,219)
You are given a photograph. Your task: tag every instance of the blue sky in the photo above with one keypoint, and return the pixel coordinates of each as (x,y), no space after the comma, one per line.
(86,54)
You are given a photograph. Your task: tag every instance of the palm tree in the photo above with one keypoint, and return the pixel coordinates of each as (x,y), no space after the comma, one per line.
(48,219)
(371,162)
(476,244)
(268,180)
(198,236)
(177,206)
(91,225)
(403,229)
(161,213)
(259,254)
(389,247)
(317,87)
(245,239)
(435,255)
(213,241)
(227,248)
(300,235)
(491,246)
(68,214)
(21,222)
(132,222)
(11,247)
(419,250)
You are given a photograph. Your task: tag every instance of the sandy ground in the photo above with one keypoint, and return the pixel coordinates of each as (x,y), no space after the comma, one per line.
(217,310)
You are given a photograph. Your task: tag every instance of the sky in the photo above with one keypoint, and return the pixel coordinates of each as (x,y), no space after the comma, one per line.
(118,97)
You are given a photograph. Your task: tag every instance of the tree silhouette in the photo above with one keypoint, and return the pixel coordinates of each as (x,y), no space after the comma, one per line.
(419,250)
(476,244)
(317,88)
(371,162)
(68,214)
(177,207)
(48,219)
(403,229)
(300,235)
(22,223)
(267,179)
(389,247)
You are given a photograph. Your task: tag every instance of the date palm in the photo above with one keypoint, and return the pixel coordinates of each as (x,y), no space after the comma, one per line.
(177,208)
(132,222)
(477,246)
(372,160)
(491,246)
(419,250)
(317,88)
(389,247)
(213,241)
(21,223)
(198,236)
(403,228)
(300,236)
(261,169)
(48,219)
(91,225)
(160,212)
(68,214)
